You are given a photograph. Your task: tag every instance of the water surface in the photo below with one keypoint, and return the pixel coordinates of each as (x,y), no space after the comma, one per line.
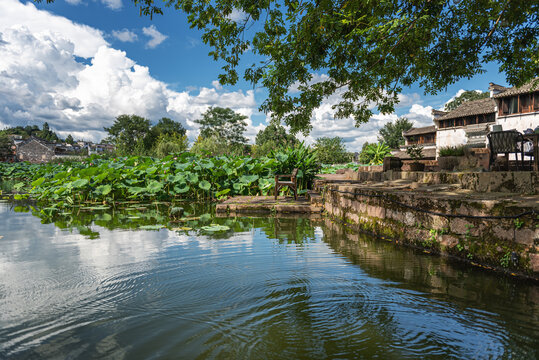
(92,285)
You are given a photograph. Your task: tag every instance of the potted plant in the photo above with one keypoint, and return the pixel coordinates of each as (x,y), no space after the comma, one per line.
(448,158)
(416,153)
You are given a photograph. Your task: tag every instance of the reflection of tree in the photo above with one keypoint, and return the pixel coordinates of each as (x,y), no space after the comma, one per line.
(291,230)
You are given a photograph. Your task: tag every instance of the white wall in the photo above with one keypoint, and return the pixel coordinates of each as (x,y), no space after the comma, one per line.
(519,122)
(450,137)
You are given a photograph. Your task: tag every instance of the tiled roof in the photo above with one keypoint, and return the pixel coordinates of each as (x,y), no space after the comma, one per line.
(496,87)
(421,130)
(438,112)
(474,107)
(529,87)
(44,143)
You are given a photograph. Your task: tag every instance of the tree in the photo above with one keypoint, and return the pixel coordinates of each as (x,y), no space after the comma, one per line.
(167,144)
(465,96)
(166,126)
(223,123)
(5,146)
(391,134)
(331,150)
(369,50)
(69,139)
(130,134)
(276,133)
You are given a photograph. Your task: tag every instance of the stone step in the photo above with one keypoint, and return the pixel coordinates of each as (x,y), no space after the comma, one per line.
(315,198)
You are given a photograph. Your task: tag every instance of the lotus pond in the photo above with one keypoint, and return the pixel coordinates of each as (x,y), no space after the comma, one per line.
(143,282)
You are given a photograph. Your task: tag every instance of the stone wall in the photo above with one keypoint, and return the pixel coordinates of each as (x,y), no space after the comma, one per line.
(506,244)
(34,152)
(524,182)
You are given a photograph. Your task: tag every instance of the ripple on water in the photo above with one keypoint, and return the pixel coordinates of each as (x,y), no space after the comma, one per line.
(248,296)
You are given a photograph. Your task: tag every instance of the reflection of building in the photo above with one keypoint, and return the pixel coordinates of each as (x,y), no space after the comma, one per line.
(467,125)
(424,137)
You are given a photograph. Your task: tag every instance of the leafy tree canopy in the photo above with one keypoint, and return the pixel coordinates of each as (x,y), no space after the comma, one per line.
(69,139)
(130,134)
(276,133)
(391,133)
(167,126)
(33,130)
(465,96)
(369,50)
(5,146)
(223,123)
(331,150)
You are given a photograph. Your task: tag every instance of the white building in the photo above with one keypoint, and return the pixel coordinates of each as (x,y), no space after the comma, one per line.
(511,108)
(467,125)
(516,108)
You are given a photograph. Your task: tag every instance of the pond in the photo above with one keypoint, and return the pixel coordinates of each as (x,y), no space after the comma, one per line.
(92,284)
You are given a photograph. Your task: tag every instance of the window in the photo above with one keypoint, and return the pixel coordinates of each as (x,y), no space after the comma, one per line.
(504,106)
(536,101)
(525,103)
(513,105)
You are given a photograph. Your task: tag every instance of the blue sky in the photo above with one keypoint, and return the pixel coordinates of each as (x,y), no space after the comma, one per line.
(78,64)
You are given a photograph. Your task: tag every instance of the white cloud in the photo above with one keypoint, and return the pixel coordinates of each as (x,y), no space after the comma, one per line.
(74,2)
(86,39)
(216,84)
(125,35)
(40,80)
(156,37)
(237,15)
(113,4)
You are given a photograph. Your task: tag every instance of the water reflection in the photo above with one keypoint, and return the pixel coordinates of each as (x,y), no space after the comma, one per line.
(90,284)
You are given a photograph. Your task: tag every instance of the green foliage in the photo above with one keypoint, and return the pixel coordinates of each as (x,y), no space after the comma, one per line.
(391,134)
(300,157)
(265,149)
(45,133)
(453,151)
(172,143)
(374,154)
(168,127)
(518,223)
(331,150)
(506,259)
(415,152)
(225,124)
(332,169)
(276,134)
(369,49)
(465,96)
(131,135)
(5,146)
(185,176)
(216,146)
(69,139)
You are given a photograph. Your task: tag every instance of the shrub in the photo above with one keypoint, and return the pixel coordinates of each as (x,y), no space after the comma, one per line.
(374,154)
(331,150)
(300,157)
(415,152)
(453,151)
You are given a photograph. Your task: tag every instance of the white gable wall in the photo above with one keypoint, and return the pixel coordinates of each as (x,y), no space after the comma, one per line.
(519,122)
(450,137)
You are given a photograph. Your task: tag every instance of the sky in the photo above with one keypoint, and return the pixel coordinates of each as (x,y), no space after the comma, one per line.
(78,64)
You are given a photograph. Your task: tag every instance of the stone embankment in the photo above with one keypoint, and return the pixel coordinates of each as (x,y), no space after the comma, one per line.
(488,219)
